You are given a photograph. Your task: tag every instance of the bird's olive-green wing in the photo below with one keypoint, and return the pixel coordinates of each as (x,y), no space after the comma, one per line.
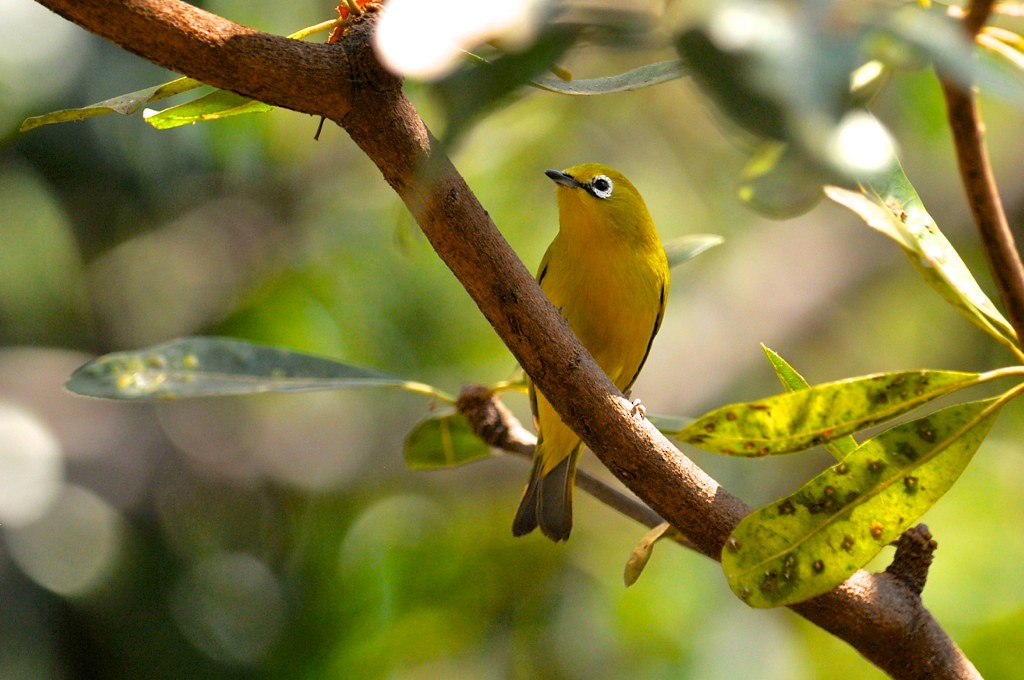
(650,341)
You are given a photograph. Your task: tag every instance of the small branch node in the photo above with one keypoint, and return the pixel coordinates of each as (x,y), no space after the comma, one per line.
(493,422)
(915,550)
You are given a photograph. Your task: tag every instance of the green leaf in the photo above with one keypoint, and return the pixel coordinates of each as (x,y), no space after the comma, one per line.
(792,381)
(800,420)
(789,377)
(481,86)
(214,106)
(211,366)
(443,441)
(728,77)
(125,104)
(641,554)
(644,76)
(777,74)
(783,180)
(786,76)
(1001,59)
(892,206)
(684,248)
(811,541)
(867,81)
(780,181)
(938,36)
(128,104)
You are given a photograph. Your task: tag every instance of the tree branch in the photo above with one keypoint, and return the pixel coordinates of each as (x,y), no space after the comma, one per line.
(980,184)
(496,425)
(875,613)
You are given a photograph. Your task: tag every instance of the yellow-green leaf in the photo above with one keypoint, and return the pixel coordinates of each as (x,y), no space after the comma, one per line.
(811,541)
(641,554)
(684,248)
(780,181)
(125,104)
(443,441)
(891,205)
(214,106)
(810,417)
(211,366)
(792,381)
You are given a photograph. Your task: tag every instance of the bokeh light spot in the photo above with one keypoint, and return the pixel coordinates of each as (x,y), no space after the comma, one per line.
(230,606)
(73,548)
(31,467)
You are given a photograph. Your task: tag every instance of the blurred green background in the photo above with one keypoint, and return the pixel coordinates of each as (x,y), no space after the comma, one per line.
(281,536)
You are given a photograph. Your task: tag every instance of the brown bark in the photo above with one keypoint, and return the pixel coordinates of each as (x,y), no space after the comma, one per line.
(980,183)
(875,613)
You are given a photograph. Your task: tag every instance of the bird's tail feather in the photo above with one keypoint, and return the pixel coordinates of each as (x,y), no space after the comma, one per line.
(547,501)
(526,515)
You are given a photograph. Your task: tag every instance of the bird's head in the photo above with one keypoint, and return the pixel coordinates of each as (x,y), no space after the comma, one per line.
(594,194)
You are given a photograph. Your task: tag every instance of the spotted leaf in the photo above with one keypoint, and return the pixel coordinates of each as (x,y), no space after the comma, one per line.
(811,541)
(792,381)
(816,415)
(211,366)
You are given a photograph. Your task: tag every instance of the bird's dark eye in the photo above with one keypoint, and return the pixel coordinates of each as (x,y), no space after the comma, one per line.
(601,187)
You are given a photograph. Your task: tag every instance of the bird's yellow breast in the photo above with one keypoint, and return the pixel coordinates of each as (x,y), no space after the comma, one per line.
(610,287)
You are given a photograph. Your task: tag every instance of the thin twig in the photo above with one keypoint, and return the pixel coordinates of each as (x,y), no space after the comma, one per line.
(977,15)
(980,184)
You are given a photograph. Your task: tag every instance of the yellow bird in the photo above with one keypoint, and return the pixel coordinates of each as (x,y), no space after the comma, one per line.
(607,273)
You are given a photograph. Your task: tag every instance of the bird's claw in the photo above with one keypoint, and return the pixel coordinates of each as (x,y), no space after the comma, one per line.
(638,410)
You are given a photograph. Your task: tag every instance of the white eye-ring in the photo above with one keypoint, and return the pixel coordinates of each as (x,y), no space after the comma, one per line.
(601,186)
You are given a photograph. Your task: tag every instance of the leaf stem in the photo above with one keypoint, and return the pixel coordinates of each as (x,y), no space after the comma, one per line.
(429,390)
(996,374)
(316,28)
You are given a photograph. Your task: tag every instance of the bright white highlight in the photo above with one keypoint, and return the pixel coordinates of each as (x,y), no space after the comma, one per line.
(751,26)
(31,467)
(861,144)
(425,40)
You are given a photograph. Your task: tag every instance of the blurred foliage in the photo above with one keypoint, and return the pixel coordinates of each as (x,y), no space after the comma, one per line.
(282,535)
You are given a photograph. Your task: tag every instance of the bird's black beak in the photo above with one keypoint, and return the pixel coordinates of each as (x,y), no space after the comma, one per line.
(563,178)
